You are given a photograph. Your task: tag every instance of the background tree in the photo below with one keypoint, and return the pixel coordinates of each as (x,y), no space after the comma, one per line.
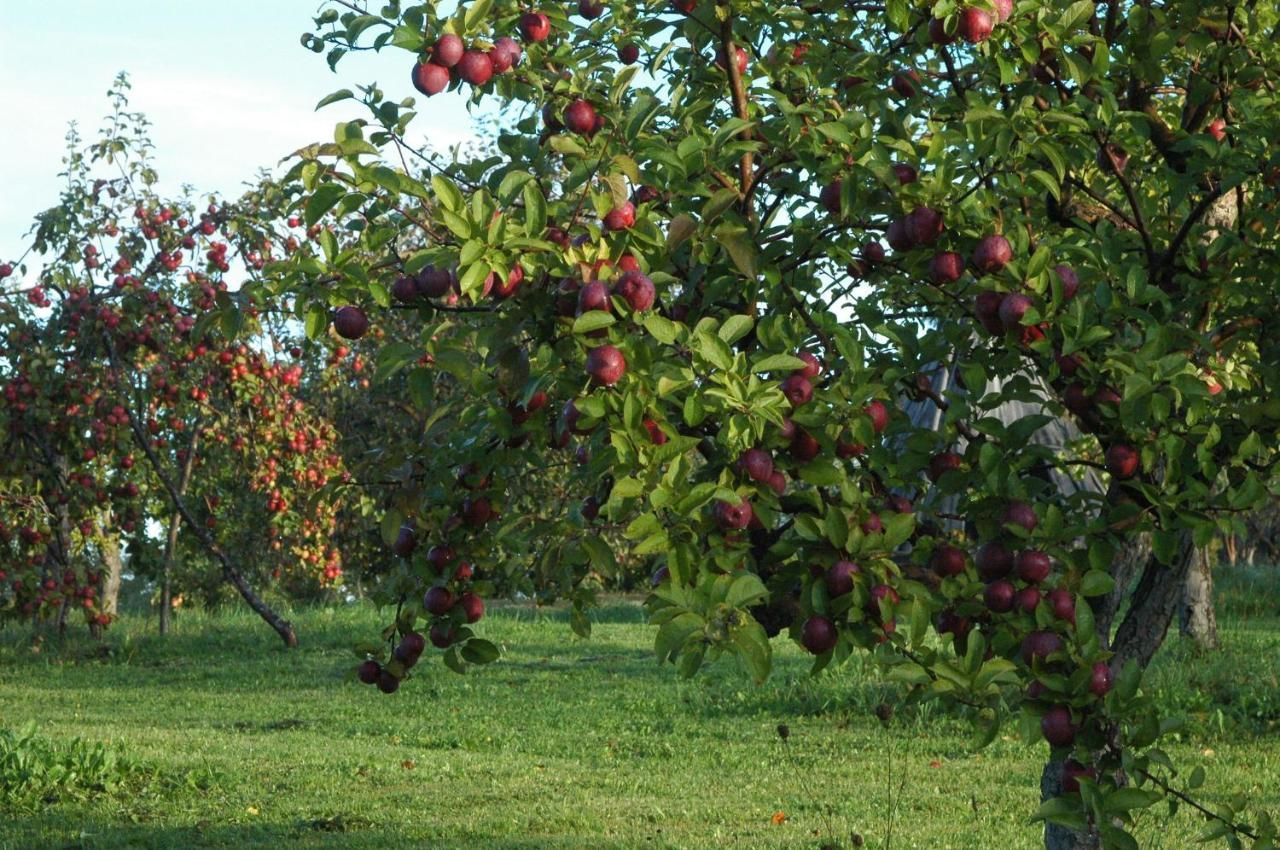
(126,404)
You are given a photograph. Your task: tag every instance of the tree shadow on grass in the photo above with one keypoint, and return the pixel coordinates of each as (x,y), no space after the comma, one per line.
(327,833)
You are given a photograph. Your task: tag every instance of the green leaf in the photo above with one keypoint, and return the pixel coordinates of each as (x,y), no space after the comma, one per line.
(747,589)
(735,328)
(673,634)
(777,363)
(593,320)
(714,351)
(334,97)
(661,328)
(322,200)
(738,244)
(1127,799)
(821,473)
(753,648)
(535,209)
(447,194)
(480,651)
(718,203)
(680,228)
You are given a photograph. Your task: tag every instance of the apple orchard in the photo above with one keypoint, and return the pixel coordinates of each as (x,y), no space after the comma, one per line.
(713,255)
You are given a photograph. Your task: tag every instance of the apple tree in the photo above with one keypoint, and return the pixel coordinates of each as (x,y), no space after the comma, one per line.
(721,243)
(128,404)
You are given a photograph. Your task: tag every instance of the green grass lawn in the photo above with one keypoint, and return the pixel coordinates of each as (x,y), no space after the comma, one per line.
(239,743)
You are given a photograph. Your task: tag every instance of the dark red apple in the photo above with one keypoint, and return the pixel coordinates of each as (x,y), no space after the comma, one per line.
(797,389)
(757,465)
(1040,644)
(406,541)
(1020,513)
(368,671)
(739,54)
(1062,604)
(993,561)
(472,606)
(387,683)
(505,54)
(819,635)
(804,446)
(975,25)
(590,9)
(1034,566)
(620,218)
(872,524)
(992,254)
(924,225)
(438,600)
(986,306)
(904,83)
(1070,281)
(475,67)
(942,463)
(947,267)
(879,415)
(839,578)
(1057,727)
(580,117)
(606,365)
(430,78)
(938,32)
(637,290)
(442,635)
(948,560)
(812,365)
(1100,679)
(899,236)
(733,517)
(350,322)
(628,54)
(1027,599)
(999,596)
(535,26)
(1072,772)
(448,50)
(1112,159)
(594,296)
(829,197)
(1122,461)
(1012,308)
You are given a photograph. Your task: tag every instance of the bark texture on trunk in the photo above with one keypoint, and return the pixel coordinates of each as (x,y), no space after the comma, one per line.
(1196,617)
(109,581)
(1060,837)
(1152,606)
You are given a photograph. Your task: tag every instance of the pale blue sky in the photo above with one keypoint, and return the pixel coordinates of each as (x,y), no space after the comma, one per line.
(226,84)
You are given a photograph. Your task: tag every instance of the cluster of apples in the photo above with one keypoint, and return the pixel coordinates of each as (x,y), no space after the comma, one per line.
(451,601)
(974,24)
(451,60)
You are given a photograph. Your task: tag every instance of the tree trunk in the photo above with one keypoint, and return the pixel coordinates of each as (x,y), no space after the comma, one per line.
(1058,837)
(1196,617)
(281,626)
(1152,606)
(109,581)
(166,592)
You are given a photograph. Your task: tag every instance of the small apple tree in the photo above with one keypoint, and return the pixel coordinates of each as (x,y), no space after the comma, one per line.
(125,404)
(720,243)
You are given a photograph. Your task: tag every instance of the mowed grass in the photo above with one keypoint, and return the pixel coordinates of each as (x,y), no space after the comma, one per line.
(563,743)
